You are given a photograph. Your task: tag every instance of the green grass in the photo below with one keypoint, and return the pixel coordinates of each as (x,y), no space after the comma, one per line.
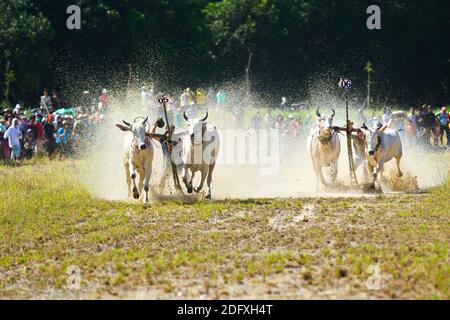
(48,222)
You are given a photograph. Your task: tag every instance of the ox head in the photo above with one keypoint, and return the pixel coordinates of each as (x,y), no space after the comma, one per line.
(195,127)
(373,137)
(325,122)
(138,130)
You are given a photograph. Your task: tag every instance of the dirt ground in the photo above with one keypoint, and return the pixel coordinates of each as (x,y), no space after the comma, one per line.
(61,242)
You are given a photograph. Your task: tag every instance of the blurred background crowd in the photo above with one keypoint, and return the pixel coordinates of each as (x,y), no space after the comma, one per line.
(57,128)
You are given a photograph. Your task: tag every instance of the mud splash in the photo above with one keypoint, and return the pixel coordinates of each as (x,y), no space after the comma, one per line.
(105,175)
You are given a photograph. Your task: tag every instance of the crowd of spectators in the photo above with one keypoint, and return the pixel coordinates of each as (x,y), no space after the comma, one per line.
(57,129)
(53,129)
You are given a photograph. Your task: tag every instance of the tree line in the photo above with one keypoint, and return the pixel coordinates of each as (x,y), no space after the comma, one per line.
(293,44)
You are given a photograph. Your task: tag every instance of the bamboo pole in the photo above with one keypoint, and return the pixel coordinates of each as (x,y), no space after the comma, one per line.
(351,164)
(176,181)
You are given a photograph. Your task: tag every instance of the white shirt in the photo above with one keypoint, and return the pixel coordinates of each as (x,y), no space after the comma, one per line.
(13,134)
(46,101)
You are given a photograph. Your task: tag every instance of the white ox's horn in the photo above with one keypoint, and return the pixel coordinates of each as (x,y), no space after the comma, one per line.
(364,126)
(206,117)
(379,126)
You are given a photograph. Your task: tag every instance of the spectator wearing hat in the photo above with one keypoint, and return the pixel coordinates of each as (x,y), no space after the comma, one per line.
(283,103)
(200,97)
(17,110)
(7,112)
(62,137)
(191,95)
(428,124)
(14,135)
(39,141)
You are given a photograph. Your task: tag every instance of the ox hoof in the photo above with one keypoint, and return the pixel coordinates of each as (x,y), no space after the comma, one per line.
(197,190)
(208,196)
(400,175)
(135,193)
(189,190)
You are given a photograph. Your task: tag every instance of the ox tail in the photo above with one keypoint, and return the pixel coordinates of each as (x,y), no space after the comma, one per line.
(310,150)
(311,153)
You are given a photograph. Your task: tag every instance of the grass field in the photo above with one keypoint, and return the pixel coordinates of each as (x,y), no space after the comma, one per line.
(256,248)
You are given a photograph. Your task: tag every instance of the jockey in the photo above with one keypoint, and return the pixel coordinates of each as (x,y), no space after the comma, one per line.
(166,146)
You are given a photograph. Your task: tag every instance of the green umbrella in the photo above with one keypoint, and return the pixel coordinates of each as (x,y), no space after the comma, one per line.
(64,111)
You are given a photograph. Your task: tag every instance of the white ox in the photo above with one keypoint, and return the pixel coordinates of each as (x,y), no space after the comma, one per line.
(382,144)
(199,153)
(137,153)
(324,147)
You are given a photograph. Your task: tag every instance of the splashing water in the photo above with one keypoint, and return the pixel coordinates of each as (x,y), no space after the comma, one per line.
(105,174)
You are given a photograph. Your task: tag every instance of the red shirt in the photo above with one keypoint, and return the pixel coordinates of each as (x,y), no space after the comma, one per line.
(40,130)
(103,99)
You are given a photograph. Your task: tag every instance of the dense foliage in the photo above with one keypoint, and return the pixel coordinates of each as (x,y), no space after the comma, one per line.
(178,43)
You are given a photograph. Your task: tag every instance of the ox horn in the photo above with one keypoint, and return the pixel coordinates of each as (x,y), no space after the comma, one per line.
(185,116)
(379,126)
(206,117)
(334,112)
(364,126)
(126,123)
(318,113)
(145,120)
